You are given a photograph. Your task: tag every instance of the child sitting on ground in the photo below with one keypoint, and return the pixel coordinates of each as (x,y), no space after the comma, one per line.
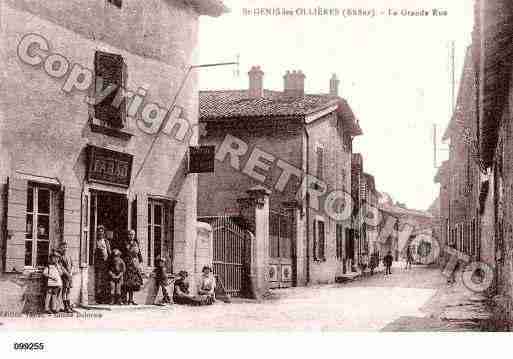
(116,271)
(161,281)
(52,273)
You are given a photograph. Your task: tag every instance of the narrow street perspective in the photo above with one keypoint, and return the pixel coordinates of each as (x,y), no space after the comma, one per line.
(416,300)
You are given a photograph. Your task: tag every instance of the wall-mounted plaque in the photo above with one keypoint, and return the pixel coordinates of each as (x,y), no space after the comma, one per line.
(201,159)
(109,167)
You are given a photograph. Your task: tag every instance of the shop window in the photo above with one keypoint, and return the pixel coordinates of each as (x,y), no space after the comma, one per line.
(155,230)
(110,79)
(319,240)
(37,232)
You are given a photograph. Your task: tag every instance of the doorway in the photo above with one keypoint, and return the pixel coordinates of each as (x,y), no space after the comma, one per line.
(110,210)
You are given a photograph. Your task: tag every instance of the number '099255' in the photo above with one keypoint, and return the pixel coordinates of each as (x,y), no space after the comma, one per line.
(29,346)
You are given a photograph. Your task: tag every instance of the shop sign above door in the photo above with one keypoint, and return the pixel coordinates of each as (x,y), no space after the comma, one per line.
(201,159)
(109,167)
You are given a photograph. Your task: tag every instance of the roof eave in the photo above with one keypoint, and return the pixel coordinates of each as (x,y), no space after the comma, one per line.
(256,117)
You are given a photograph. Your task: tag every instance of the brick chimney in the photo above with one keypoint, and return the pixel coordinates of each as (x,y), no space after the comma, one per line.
(334,81)
(256,82)
(294,83)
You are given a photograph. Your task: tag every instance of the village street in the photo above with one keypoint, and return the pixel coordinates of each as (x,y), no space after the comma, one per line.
(407,300)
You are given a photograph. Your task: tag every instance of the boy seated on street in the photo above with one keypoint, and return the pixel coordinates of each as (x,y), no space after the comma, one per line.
(116,271)
(181,293)
(52,273)
(161,280)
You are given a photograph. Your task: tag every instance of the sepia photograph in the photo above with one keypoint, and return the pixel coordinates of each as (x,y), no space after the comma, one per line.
(243,166)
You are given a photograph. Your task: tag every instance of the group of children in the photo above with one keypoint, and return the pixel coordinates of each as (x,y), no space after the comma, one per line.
(59,271)
(59,275)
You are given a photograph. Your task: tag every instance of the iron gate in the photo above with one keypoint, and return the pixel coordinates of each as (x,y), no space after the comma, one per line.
(231,247)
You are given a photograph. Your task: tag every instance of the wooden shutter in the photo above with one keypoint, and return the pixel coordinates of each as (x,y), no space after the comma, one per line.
(321,244)
(169,219)
(16,224)
(338,239)
(109,70)
(72,221)
(86,224)
(56,218)
(315,239)
(141,224)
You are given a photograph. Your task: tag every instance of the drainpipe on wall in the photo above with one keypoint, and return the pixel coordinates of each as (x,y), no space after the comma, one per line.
(307,144)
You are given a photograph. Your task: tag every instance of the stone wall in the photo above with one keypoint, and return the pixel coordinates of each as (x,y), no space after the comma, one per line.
(337,175)
(45,130)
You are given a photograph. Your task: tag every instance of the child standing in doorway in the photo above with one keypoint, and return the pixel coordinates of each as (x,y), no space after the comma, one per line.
(116,271)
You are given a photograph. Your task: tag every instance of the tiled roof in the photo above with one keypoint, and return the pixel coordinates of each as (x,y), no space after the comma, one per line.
(226,104)
(460,118)
(237,103)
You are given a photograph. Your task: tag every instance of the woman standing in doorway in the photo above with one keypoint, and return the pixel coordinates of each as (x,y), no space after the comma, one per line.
(133,261)
(101,264)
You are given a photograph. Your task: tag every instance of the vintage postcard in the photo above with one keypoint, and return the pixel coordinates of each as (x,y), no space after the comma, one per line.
(241,165)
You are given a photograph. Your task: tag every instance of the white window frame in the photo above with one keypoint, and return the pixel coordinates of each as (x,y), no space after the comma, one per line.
(152,203)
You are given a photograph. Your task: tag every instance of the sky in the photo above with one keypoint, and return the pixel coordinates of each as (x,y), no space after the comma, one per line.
(394,71)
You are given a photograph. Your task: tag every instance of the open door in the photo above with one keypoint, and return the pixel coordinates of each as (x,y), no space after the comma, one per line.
(111,211)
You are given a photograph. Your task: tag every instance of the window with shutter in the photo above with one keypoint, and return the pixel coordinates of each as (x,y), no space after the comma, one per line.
(110,78)
(34,224)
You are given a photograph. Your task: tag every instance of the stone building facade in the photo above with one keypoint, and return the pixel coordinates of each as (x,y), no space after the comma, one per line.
(476,182)
(492,44)
(67,164)
(459,176)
